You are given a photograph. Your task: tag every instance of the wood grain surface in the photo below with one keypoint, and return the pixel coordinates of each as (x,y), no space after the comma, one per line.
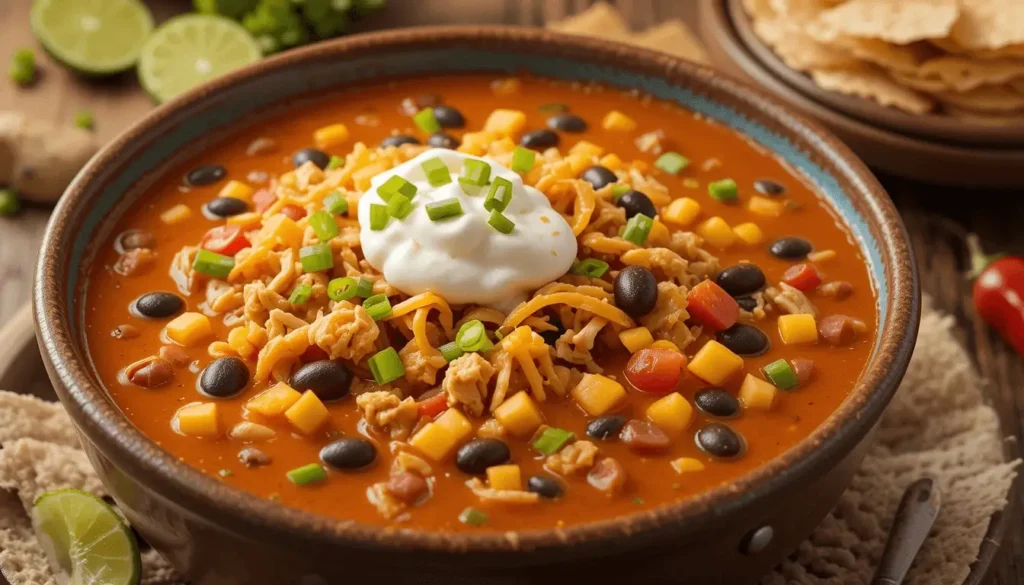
(935,217)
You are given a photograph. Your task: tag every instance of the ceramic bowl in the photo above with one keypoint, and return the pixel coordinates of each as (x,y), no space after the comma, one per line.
(216,534)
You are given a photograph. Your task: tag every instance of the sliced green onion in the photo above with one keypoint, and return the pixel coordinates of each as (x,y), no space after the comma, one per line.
(473,517)
(386,366)
(437,172)
(672,162)
(364,289)
(307,474)
(342,289)
(396,186)
(444,209)
(523,159)
(475,172)
(378,216)
(378,306)
(637,229)
(781,374)
(499,196)
(501,223)
(213,264)
(553,108)
(450,351)
(618,190)
(301,294)
(22,69)
(335,162)
(399,207)
(84,119)
(9,204)
(472,336)
(724,190)
(426,121)
(336,203)
(316,258)
(324,225)
(552,440)
(591,267)
(469,188)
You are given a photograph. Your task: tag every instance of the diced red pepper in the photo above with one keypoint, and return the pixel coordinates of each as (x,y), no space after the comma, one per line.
(294,211)
(227,240)
(433,406)
(804,277)
(709,305)
(655,370)
(263,199)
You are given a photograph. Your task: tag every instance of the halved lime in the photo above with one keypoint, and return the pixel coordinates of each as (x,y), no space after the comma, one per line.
(85,539)
(189,50)
(97,37)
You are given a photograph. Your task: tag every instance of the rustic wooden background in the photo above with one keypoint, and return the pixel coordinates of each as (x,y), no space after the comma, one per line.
(997,216)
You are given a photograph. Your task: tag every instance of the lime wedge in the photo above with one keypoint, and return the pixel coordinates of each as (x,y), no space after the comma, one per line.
(96,37)
(85,539)
(190,50)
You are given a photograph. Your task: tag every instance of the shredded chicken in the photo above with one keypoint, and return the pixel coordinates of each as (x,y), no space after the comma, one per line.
(575,347)
(421,368)
(466,381)
(790,300)
(668,319)
(703,264)
(182,273)
(388,413)
(347,332)
(280,354)
(758,312)
(259,301)
(666,264)
(405,461)
(487,494)
(574,458)
(524,352)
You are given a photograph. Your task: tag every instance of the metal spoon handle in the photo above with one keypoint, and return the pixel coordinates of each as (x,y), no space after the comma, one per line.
(914,519)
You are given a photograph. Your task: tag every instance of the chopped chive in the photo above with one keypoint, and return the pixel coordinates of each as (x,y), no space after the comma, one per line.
(781,374)
(500,222)
(396,185)
(84,119)
(335,162)
(552,440)
(553,108)
(342,289)
(386,366)
(473,517)
(724,190)
(307,474)
(472,336)
(9,203)
(316,258)
(619,190)
(499,196)
(672,162)
(637,229)
(378,306)
(301,294)
(225,473)
(523,159)
(450,351)
(324,225)
(444,209)
(378,216)
(426,120)
(336,203)
(213,264)
(22,69)
(591,267)
(399,206)
(475,172)
(437,172)
(364,289)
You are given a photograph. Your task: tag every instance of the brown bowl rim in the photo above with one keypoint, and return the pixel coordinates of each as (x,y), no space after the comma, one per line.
(103,424)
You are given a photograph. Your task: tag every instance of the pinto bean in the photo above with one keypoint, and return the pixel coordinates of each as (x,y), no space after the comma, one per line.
(803,368)
(125,332)
(133,240)
(644,436)
(837,329)
(134,261)
(151,372)
(408,487)
(837,289)
(175,355)
(607,476)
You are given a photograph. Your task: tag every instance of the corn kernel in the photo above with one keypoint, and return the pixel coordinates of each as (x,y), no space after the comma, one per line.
(456,423)
(476,143)
(505,477)
(519,415)
(716,232)
(250,431)
(765,206)
(236,190)
(330,136)
(672,413)
(749,233)
(665,344)
(189,329)
(586,148)
(598,394)
(687,465)
(434,441)
(505,122)
(274,401)
(246,220)
(800,328)
(199,419)
(578,162)
(659,234)
(682,212)
(616,120)
(611,161)
(636,339)
(176,214)
(281,229)
(715,363)
(238,339)
(307,414)
(757,393)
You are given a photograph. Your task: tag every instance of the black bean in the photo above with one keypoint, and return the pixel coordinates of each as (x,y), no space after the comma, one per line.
(635,202)
(476,456)
(717,402)
(224,377)
(768,187)
(327,379)
(606,427)
(207,175)
(544,485)
(741,279)
(227,207)
(598,176)
(398,140)
(157,305)
(539,139)
(720,440)
(349,453)
(745,340)
(449,117)
(747,303)
(636,291)
(442,140)
(317,157)
(567,123)
(790,248)
(551,337)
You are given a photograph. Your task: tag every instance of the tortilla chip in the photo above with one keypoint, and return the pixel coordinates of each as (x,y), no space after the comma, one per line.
(797,49)
(989,24)
(1017,85)
(800,11)
(903,58)
(965,74)
(912,81)
(871,83)
(984,117)
(896,21)
(995,99)
(1009,51)
(758,9)
(673,37)
(600,20)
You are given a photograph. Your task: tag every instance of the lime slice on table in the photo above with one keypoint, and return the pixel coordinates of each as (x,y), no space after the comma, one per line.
(96,37)
(190,50)
(85,539)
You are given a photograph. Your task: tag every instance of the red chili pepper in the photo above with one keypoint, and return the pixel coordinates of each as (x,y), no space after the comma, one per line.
(433,406)
(712,307)
(999,293)
(804,277)
(227,240)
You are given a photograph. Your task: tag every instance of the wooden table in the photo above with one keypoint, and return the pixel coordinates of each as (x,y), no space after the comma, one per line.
(997,216)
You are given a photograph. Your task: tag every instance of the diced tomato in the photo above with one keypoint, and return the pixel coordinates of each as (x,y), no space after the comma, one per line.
(227,240)
(433,406)
(263,199)
(294,211)
(655,370)
(802,276)
(710,306)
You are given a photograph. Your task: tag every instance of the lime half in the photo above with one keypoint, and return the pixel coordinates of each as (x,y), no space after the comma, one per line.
(85,539)
(190,50)
(96,37)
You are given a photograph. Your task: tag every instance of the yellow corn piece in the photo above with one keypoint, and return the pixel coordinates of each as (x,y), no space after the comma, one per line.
(756,393)
(246,220)
(519,415)
(586,148)
(236,190)
(505,122)
(476,143)
(505,477)
(636,338)
(672,413)
(456,423)
(765,206)
(307,414)
(716,232)
(176,214)
(238,339)
(616,120)
(659,234)
(189,329)
(687,465)
(598,394)
(665,344)
(799,328)
(611,161)
(434,441)
(682,212)
(330,136)
(274,401)
(749,233)
(579,162)
(250,431)
(199,419)
(715,363)
(281,229)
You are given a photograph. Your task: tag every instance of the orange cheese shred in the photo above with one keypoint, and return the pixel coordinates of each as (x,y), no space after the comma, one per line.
(583,208)
(427,299)
(574,300)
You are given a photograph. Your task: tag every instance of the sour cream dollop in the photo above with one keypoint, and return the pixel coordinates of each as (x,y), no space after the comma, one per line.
(464,259)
